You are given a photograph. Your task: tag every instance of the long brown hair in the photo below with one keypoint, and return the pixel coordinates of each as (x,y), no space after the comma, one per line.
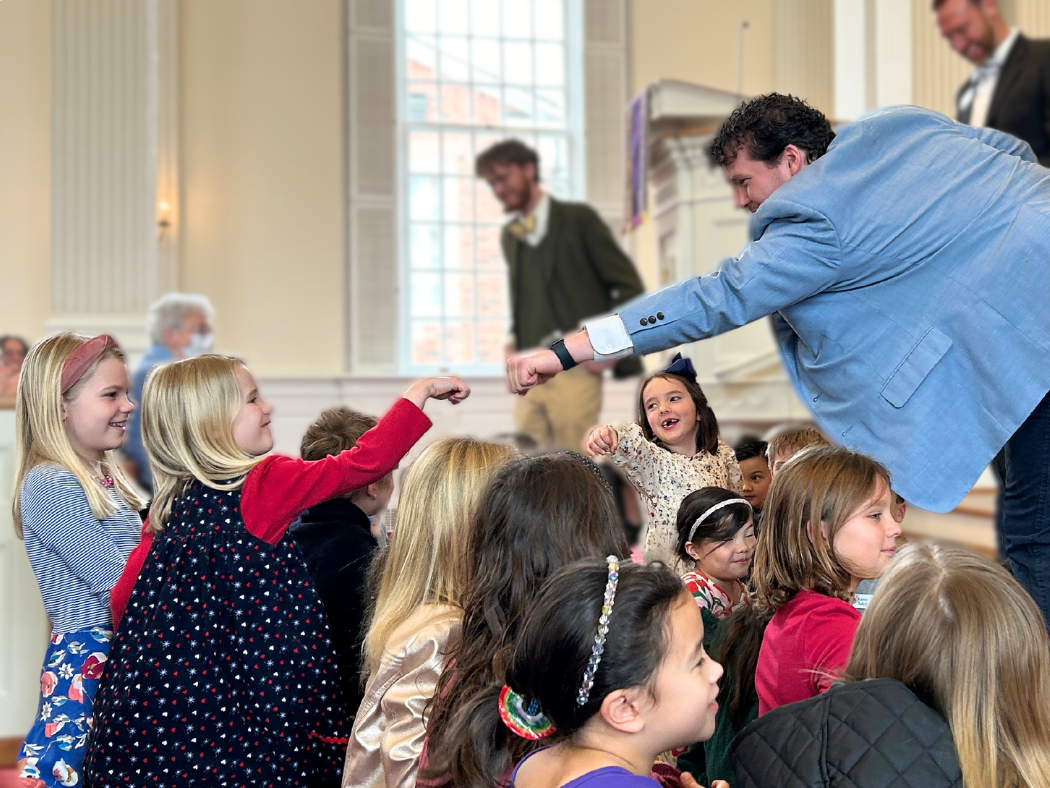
(537,515)
(706,427)
(818,489)
(963,635)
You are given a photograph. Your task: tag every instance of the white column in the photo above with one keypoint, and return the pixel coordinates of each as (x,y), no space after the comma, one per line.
(873,55)
(114,148)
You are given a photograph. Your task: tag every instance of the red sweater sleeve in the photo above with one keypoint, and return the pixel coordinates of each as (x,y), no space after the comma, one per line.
(829,638)
(121,593)
(278,489)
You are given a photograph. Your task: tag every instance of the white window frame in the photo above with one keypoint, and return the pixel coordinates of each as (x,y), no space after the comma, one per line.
(576,113)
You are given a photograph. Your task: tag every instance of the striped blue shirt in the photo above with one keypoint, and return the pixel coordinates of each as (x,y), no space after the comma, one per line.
(76,557)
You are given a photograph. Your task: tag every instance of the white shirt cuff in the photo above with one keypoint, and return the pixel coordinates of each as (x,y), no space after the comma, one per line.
(609,338)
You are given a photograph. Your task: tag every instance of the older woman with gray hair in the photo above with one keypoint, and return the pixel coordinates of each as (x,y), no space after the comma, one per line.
(179,326)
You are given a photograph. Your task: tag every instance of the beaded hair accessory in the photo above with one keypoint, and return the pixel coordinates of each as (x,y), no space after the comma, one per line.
(523,716)
(712,510)
(603,630)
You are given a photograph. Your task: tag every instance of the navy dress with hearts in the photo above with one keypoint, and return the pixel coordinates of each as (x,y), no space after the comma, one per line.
(222,672)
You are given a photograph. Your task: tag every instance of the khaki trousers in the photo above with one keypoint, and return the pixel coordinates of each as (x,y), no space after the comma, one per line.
(558,414)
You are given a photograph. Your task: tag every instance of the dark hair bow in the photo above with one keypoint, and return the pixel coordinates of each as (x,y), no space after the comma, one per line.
(683,367)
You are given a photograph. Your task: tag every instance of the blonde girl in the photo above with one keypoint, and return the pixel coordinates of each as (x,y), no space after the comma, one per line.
(827,525)
(223,671)
(77,514)
(671,451)
(425,572)
(961,632)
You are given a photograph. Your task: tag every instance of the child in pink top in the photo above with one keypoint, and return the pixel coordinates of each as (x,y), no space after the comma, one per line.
(828,524)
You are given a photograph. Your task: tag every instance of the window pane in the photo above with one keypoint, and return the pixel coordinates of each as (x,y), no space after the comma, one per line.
(425,295)
(426,342)
(484,17)
(458,200)
(492,295)
(424,152)
(458,154)
(550,107)
(517,63)
(492,339)
(488,207)
(489,253)
(452,17)
(486,60)
(455,104)
(420,15)
(518,109)
(550,19)
(422,102)
(421,57)
(550,65)
(424,198)
(459,247)
(455,59)
(459,342)
(517,18)
(554,158)
(487,106)
(425,246)
(459,295)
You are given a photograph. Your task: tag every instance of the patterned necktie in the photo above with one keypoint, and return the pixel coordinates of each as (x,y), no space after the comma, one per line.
(519,228)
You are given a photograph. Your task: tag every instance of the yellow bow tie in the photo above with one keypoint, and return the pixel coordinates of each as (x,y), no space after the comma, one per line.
(519,228)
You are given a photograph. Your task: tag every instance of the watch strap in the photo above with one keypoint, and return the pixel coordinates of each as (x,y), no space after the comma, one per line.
(563,354)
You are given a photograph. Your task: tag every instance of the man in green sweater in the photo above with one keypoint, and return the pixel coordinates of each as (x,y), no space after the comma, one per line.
(564,267)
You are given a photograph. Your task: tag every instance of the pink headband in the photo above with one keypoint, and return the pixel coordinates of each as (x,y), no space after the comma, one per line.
(83,357)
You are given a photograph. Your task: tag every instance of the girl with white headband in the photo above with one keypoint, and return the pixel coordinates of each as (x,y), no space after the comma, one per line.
(716,533)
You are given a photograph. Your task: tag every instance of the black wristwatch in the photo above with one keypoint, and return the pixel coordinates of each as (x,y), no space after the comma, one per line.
(563,354)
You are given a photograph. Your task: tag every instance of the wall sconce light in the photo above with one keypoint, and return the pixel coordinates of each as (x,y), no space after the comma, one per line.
(163,220)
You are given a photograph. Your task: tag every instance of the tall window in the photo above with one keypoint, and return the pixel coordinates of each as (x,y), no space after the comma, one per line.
(475,72)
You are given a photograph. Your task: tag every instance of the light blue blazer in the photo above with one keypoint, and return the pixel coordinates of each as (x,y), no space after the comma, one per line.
(907,272)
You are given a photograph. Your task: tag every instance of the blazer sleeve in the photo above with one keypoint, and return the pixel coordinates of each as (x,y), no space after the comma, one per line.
(613,266)
(797,256)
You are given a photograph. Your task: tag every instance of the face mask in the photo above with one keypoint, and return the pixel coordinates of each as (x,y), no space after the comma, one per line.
(199,344)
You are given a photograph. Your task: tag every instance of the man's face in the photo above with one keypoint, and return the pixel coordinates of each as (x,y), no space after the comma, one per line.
(967,28)
(512,184)
(12,355)
(753,181)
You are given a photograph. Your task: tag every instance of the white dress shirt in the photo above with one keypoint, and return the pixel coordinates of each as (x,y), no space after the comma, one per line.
(984,80)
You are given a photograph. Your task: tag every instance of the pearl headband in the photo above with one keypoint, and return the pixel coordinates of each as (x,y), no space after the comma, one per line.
(712,510)
(603,630)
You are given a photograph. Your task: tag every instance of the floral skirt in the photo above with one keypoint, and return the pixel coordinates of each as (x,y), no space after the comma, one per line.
(53,752)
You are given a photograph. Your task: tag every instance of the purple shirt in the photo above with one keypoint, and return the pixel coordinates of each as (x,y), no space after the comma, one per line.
(606,777)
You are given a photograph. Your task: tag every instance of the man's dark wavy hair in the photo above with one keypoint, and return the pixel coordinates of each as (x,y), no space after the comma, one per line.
(766,125)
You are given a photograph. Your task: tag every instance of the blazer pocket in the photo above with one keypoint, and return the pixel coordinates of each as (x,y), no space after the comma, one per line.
(921,359)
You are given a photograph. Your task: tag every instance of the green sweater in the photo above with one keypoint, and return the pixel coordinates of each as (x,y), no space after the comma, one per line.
(578,271)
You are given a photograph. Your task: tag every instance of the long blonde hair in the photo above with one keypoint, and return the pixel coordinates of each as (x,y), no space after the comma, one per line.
(428,560)
(820,488)
(188,409)
(961,633)
(40,435)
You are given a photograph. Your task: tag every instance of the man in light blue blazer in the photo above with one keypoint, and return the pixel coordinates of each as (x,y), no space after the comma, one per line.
(906,267)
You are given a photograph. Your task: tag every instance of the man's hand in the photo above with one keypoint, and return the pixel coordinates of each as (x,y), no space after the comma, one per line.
(602,440)
(451,388)
(527,370)
(531,369)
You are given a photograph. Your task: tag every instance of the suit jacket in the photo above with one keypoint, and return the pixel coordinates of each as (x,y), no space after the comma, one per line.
(585,273)
(906,273)
(1021,102)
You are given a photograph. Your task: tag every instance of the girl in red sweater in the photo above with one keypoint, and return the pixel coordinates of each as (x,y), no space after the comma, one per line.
(827,525)
(223,670)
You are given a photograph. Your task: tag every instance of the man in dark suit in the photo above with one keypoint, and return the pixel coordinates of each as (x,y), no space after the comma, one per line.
(1010,88)
(564,266)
